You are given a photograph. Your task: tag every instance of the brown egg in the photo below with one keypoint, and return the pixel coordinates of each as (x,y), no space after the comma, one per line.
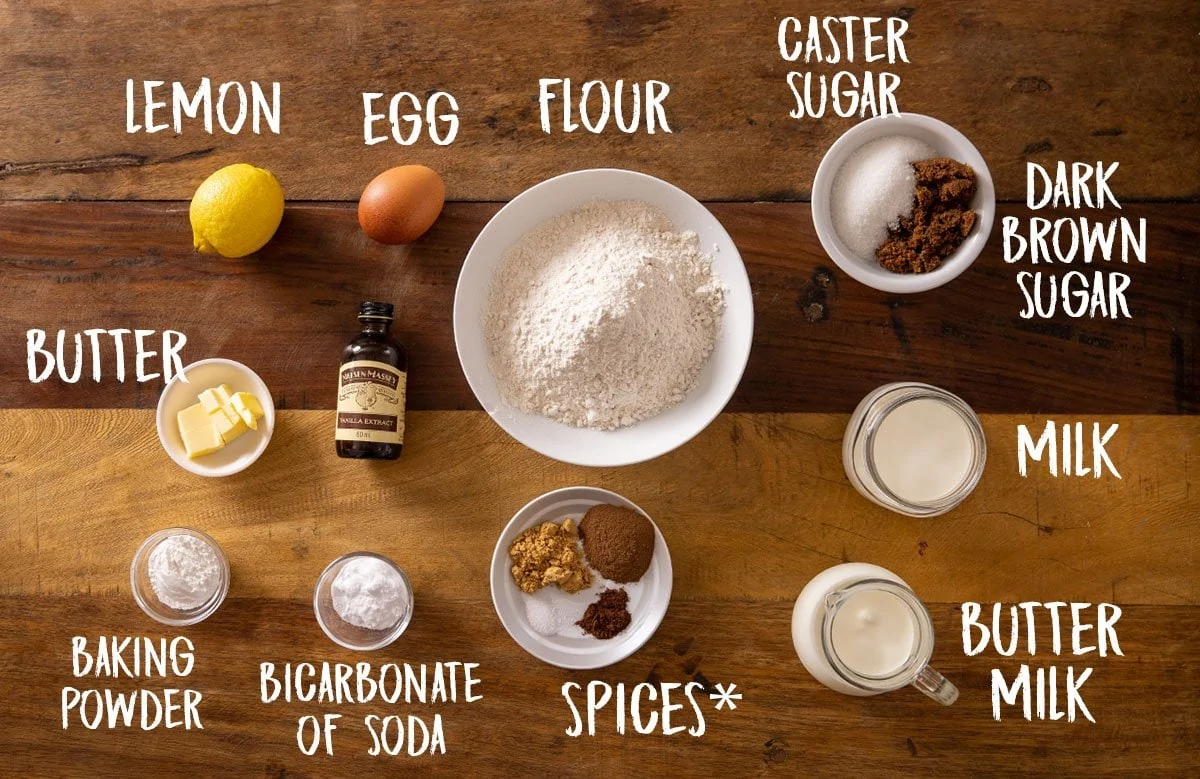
(400,204)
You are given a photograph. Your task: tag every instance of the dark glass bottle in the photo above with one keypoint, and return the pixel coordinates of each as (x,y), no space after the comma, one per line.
(372,384)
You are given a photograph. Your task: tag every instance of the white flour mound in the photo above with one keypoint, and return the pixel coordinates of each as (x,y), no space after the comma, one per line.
(602,317)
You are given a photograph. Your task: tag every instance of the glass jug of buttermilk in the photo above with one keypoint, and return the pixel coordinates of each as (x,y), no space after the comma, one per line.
(860,630)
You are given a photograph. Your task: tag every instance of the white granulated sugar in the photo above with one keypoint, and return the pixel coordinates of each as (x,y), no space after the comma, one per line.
(184,572)
(552,612)
(602,317)
(874,189)
(368,593)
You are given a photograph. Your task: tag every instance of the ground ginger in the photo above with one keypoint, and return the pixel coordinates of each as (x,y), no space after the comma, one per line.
(549,554)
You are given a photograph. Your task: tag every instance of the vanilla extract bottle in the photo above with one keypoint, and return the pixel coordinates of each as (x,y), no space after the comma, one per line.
(372,384)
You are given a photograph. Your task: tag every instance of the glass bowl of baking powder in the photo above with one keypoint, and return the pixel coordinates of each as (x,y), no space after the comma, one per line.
(179,576)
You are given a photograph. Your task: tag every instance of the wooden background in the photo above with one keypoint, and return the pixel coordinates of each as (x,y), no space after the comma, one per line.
(94,233)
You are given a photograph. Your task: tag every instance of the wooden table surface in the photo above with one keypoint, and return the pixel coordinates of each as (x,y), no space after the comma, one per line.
(94,233)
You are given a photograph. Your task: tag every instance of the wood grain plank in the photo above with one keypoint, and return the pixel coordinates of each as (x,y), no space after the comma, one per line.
(1068,80)
(822,340)
(83,488)
(1143,702)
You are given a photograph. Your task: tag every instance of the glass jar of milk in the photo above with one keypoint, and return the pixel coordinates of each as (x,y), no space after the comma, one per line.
(914,448)
(860,630)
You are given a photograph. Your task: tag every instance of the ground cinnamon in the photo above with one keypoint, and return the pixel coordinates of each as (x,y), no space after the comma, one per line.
(941,219)
(608,616)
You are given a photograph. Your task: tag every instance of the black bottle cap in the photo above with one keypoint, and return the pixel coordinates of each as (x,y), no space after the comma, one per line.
(372,310)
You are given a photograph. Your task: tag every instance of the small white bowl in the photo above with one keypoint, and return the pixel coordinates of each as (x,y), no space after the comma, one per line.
(583,653)
(147,598)
(650,437)
(342,632)
(179,394)
(947,142)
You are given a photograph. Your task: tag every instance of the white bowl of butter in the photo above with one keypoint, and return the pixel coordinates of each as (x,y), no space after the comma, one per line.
(184,391)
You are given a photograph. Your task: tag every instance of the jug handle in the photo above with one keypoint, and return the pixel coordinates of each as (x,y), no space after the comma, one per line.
(936,686)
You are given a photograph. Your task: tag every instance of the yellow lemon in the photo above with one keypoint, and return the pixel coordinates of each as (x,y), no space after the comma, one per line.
(236,211)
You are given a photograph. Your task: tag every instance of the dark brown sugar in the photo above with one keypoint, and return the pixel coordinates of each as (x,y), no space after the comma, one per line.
(608,616)
(941,220)
(618,542)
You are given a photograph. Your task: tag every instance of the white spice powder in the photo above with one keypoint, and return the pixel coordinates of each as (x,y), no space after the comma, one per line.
(368,593)
(874,189)
(184,572)
(603,316)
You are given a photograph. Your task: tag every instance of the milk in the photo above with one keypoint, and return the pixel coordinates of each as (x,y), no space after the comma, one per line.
(914,448)
(922,450)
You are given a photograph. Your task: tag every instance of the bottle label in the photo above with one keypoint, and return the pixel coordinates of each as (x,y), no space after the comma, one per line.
(370,403)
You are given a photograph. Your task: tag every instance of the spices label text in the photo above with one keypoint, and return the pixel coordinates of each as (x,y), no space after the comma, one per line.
(669,708)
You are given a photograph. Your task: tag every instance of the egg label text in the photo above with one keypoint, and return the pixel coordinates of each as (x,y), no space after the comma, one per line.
(409,118)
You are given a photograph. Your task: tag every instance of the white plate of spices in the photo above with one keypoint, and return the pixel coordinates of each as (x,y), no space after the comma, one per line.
(565,602)
(603,317)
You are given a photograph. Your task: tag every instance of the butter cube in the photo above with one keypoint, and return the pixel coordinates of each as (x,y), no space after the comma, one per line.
(228,424)
(223,394)
(250,402)
(248,408)
(193,417)
(210,401)
(200,441)
(197,431)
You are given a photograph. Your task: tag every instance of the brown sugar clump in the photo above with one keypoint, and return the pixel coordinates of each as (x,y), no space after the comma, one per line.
(941,219)
(618,542)
(549,554)
(608,616)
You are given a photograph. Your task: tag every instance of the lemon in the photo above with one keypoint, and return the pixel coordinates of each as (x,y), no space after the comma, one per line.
(236,211)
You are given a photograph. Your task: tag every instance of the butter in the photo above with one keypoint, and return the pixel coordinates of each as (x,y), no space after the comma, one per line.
(248,408)
(228,424)
(197,431)
(223,393)
(220,417)
(210,401)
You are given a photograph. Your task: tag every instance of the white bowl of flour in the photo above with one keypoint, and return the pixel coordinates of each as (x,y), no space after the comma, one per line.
(603,317)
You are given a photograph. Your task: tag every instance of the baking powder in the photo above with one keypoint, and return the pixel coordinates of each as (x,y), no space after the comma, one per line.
(184,572)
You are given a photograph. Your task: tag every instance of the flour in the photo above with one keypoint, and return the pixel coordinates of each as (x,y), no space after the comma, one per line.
(184,572)
(368,593)
(602,317)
